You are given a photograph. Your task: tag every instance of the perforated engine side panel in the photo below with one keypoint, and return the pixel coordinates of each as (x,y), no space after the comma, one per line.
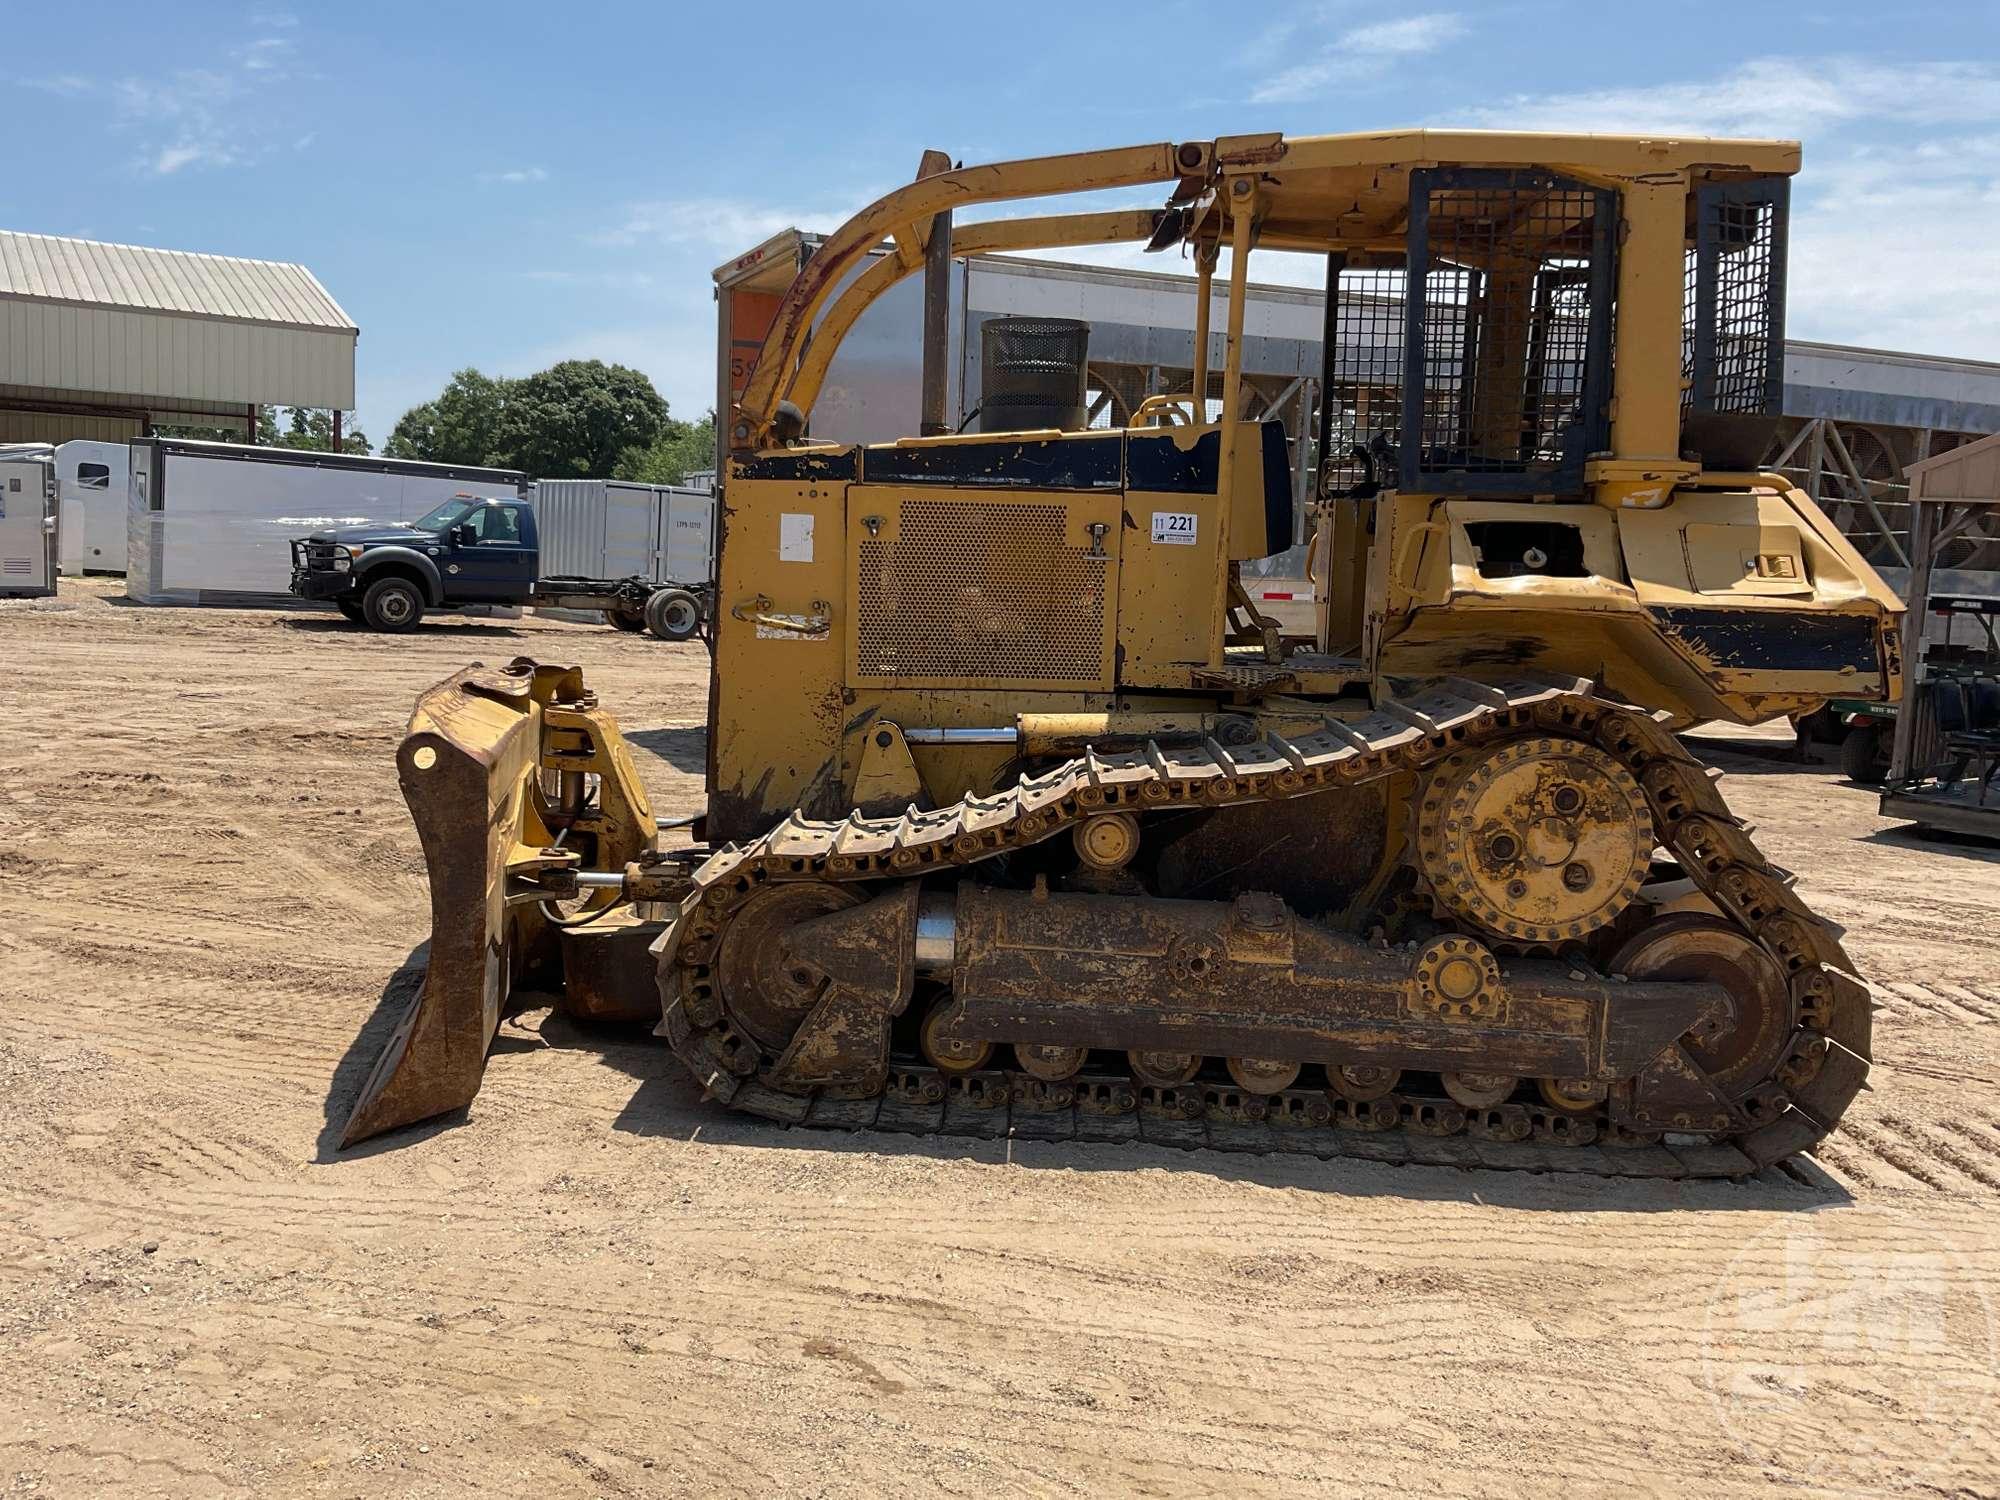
(986,589)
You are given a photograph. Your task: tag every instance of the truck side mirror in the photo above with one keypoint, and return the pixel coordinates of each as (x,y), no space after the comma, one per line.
(463,534)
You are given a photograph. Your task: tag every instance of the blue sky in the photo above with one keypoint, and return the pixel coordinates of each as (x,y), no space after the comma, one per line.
(503,185)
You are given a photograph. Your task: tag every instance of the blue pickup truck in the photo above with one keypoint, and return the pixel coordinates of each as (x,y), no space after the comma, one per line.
(471,550)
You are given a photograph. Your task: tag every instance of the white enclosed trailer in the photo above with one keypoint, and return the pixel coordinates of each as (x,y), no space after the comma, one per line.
(213,523)
(27,520)
(614,528)
(92,480)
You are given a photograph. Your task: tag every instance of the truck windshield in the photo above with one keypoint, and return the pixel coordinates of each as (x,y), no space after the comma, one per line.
(443,516)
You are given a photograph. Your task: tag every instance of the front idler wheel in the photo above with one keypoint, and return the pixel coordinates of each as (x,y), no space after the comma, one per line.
(766,991)
(1743,1051)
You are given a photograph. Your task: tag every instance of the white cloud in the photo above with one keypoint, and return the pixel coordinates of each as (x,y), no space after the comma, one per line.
(1279,39)
(190,117)
(274,20)
(199,148)
(207,117)
(1358,52)
(1897,207)
(1892,248)
(172,158)
(726,226)
(1770,97)
(182,94)
(516,175)
(1411,34)
(266,54)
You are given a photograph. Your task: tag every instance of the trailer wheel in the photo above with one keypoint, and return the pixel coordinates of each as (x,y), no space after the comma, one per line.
(631,621)
(673,614)
(1861,755)
(393,604)
(1820,727)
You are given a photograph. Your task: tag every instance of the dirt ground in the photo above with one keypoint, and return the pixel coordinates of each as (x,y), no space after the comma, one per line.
(595,1285)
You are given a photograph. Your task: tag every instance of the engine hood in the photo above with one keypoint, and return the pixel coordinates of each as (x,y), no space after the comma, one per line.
(369,532)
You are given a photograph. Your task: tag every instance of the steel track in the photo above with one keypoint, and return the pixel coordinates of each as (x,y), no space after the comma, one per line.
(1820,1071)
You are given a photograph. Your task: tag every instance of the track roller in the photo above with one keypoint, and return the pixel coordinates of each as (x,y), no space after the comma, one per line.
(1479,1090)
(947,1053)
(1363,1083)
(1049,1063)
(1164,1070)
(1258,1075)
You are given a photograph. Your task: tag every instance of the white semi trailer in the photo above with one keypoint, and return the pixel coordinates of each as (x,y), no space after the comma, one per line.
(213,523)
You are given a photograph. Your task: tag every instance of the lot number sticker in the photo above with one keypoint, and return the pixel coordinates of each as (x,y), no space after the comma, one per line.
(1174,527)
(795,537)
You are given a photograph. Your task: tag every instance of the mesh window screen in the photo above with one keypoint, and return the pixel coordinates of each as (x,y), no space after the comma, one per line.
(1508,335)
(1364,372)
(1733,345)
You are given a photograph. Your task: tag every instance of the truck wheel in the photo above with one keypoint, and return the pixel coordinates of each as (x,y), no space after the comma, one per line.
(393,604)
(350,610)
(631,621)
(1860,755)
(673,614)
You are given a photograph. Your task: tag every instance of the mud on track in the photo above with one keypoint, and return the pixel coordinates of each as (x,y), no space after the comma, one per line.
(594,1285)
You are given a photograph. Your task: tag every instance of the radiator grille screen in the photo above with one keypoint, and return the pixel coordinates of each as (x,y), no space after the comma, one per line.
(989,590)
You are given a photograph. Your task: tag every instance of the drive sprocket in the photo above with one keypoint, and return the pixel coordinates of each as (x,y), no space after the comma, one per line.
(1538,840)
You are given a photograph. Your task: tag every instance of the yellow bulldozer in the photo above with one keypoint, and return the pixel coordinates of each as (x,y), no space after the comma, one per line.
(1022,819)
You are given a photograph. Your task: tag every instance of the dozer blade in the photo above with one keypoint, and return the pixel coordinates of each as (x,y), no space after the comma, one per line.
(467,768)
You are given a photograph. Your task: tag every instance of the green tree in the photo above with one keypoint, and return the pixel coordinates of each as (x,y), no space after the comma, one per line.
(312,428)
(681,449)
(303,428)
(574,420)
(460,426)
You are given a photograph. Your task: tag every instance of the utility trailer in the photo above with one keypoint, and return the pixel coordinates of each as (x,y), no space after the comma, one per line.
(616,528)
(1946,761)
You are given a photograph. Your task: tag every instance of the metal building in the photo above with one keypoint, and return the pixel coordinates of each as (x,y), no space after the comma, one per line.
(109,341)
(1853,418)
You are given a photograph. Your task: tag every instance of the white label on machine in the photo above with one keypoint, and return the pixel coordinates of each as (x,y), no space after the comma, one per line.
(1174,527)
(795,538)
